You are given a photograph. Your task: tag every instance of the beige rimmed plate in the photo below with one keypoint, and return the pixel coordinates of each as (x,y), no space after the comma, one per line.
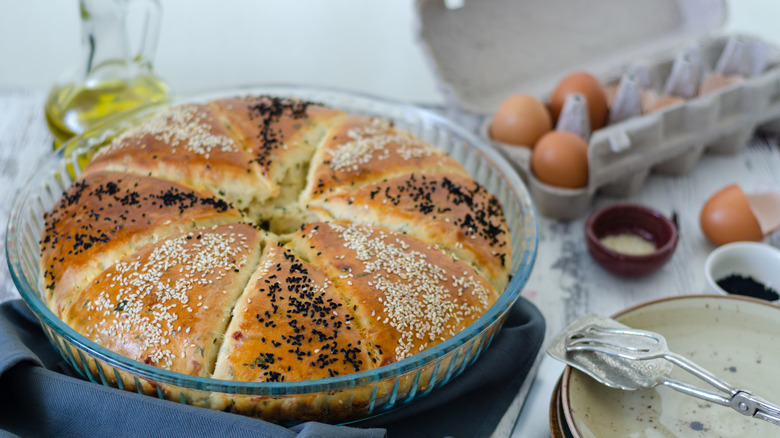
(736,338)
(558,427)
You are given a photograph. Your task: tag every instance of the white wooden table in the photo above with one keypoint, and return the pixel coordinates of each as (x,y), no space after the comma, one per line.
(565,282)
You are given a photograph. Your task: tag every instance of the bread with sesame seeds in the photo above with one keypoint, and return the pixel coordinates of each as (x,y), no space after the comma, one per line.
(281,135)
(188,144)
(169,303)
(449,209)
(405,295)
(361,150)
(291,323)
(374,298)
(267,239)
(105,216)
(253,152)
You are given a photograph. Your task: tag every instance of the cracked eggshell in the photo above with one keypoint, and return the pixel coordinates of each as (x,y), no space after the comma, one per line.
(727,217)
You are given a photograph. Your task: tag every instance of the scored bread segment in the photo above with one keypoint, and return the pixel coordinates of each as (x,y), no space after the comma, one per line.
(281,135)
(360,150)
(405,294)
(290,324)
(105,216)
(190,145)
(168,304)
(450,210)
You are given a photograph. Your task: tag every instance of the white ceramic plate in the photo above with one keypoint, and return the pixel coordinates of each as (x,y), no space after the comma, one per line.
(736,338)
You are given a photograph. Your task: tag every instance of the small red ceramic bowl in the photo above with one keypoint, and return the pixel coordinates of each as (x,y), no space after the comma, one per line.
(632,220)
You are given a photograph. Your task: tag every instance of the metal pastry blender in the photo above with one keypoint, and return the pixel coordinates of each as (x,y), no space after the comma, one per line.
(622,357)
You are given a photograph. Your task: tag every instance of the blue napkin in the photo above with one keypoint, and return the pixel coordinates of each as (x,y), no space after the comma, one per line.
(41,396)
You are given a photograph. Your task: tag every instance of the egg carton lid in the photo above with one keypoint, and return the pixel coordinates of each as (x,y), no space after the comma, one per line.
(485,50)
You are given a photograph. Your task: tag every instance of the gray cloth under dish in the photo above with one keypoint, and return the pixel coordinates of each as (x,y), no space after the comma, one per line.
(41,396)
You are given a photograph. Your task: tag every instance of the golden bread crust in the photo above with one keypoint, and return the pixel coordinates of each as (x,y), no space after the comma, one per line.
(279,134)
(290,324)
(407,295)
(188,144)
(272,127)
(168,304)
(451,210)
(107,215)
(360,150)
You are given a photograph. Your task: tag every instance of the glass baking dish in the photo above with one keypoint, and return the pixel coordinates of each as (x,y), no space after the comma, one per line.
(338,399)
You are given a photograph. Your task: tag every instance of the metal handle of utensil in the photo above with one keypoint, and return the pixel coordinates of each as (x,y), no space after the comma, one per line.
(702,373)
(697,392)
(748,404)
(741,401)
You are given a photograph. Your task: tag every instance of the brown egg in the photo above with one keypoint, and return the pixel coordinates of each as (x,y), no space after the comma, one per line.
(560,159)
(715,81)
(611,91)
(588,86)
(655,104)
(521,120)
(726,217)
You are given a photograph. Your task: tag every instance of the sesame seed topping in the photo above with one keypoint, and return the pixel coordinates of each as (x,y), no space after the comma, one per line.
(418,298)
(181,126)
(148,299)
(370,142)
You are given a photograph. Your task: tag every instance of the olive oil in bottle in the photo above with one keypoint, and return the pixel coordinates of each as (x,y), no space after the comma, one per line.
(114,74)
(74,108)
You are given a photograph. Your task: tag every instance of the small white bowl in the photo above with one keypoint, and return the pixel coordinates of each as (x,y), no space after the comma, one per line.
(748,259)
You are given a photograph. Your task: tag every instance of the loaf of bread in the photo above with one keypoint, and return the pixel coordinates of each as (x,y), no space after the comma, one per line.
(266,239)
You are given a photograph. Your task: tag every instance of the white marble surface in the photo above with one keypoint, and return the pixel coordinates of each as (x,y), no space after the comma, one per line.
(565,282)
(24,139)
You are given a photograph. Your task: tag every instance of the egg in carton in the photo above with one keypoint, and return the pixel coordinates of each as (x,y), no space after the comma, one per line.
(674,93)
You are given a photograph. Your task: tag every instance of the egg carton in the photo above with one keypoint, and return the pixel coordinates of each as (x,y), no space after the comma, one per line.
(669,141)
(622,155)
